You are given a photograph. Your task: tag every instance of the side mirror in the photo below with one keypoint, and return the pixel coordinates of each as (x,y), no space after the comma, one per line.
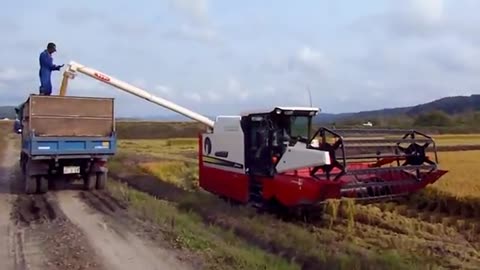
(17,127)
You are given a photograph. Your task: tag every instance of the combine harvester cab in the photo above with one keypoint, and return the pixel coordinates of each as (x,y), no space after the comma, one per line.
(275,158)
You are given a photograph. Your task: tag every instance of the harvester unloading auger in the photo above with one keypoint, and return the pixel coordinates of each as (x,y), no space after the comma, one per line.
(274,157)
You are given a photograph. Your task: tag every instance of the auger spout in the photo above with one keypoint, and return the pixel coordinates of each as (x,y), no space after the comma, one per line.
(74,67)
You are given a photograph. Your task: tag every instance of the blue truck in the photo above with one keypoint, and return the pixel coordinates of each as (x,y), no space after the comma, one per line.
(65,138)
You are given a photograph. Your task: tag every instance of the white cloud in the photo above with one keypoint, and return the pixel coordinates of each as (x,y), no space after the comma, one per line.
(311,58)
(236,90)
(426,11)
(206,34)
(230,91)
(196,33)
(11,74)
(198,25)
(192,96)
(307,59)
(213,96)
(415,17)
(78,15)
(8,25)
(140,83)
(269,89)
(374,84)
(401,48)
(163,90)
(128,28)
(196,9)
(457,56)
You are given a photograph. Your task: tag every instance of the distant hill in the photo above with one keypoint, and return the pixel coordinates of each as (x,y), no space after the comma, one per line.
(449,111)
(452,106)
(7,112)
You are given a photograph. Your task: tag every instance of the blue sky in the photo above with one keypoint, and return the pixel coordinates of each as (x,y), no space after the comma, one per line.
(224,57)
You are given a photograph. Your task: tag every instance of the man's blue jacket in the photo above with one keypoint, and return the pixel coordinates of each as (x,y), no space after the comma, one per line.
(46,68)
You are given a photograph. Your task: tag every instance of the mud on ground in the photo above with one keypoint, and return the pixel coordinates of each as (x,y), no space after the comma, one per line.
(68,228)
(39,218)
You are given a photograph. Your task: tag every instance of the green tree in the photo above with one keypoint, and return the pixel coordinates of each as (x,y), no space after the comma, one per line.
(434,118)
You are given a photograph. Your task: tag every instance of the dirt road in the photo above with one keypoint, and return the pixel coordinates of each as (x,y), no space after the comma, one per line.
(19,249)
(71,229)
(118,247)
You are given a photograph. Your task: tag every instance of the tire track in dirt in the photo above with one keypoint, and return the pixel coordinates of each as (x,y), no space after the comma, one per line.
(18,251)
(34,233)
(106,226)
(41,226)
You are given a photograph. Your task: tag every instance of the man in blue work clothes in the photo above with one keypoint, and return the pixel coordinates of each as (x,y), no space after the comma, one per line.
(46,68)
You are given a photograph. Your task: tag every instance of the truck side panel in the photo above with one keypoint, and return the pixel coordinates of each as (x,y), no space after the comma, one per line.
(55,116)
(58,146)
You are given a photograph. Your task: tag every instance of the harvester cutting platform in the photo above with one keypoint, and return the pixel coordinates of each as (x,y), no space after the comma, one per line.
(277,157)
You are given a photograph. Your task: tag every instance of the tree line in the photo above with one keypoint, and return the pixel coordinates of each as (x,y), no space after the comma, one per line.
(431,120)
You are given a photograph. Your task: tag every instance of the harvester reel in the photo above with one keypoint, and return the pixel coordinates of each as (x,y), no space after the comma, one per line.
(331,148)
(415,154)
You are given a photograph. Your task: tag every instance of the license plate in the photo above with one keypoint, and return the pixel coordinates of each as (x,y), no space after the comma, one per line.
(71,169)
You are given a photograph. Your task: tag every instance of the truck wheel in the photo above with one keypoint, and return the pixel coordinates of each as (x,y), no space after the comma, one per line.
(89,181)
(42,184)
(101,180)
(22,163)
(30,184)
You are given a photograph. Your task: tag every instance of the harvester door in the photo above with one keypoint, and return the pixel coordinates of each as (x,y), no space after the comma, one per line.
(258,145)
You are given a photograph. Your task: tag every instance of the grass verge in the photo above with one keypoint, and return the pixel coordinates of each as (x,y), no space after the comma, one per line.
(221,249)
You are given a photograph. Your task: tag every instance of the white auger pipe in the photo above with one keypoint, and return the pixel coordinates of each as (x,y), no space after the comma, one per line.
(73,67)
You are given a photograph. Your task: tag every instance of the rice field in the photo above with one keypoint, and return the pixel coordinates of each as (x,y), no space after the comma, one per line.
(463,178)
(437,228)
(457,139)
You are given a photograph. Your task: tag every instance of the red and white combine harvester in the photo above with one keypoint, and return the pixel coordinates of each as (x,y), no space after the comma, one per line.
(277,157)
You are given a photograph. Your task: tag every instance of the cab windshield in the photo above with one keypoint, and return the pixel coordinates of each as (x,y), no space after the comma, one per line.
(300,126)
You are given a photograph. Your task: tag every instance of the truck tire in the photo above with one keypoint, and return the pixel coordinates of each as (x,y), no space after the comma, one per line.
(42,184)
(89,181)
(30,184)
(22,163)
(101,180)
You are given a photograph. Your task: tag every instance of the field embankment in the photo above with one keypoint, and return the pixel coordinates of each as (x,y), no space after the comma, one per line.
(157,130)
